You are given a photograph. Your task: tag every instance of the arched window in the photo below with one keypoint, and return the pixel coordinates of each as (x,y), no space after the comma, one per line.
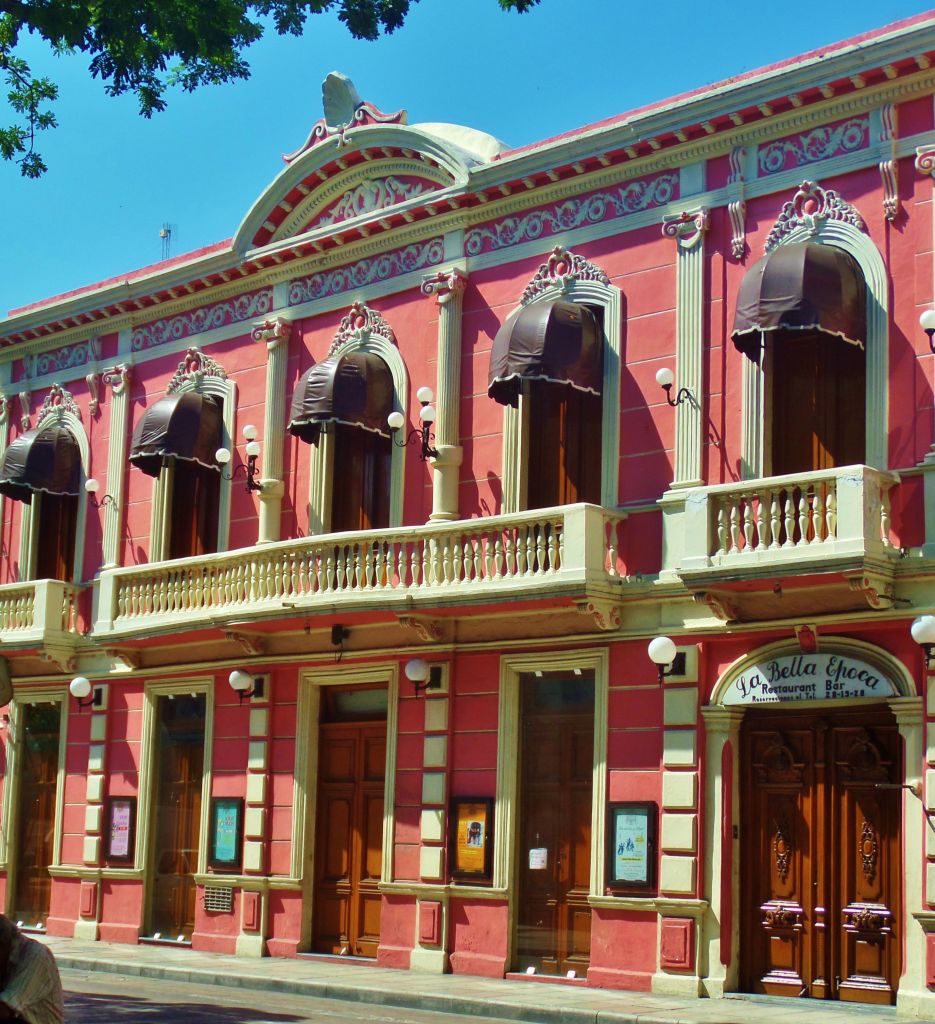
(554,364)
(42,468)
(175,443)
(348,398)
(801,313)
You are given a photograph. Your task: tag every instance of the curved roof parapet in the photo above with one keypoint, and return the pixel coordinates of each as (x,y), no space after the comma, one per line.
(477,145)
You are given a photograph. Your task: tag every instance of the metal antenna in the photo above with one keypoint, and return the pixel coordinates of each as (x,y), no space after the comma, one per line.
(165,233)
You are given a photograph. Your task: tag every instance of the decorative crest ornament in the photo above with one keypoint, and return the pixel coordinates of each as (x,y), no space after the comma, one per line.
(561,270)
(273,332)
(343,109)
(358,324)
(444,284)
(687,228)
(809,208)
(57,402)
(193,369)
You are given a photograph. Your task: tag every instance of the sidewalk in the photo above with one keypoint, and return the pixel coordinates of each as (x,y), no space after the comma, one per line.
(532,1002)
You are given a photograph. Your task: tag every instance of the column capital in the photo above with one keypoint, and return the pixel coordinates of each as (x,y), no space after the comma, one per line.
(273,332)
(687,228)
(444,283)
(117,378)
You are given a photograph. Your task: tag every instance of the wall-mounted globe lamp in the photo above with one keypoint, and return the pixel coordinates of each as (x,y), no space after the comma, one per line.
(91,487)
(84,693)
(666,656)
(923,632)
(245,685)
(423,676)
(248,469)
(418,435)
(665,378)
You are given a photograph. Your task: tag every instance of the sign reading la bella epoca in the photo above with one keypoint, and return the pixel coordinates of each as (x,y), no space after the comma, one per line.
(820,676)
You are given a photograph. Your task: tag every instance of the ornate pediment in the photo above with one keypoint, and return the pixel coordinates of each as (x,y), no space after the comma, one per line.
(359,191)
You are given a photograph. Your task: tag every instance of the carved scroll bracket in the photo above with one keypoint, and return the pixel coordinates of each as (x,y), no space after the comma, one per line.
(606,614)
(889,167)
(249,643)
(427,629)
(877,591)
(117,378)
(130,660)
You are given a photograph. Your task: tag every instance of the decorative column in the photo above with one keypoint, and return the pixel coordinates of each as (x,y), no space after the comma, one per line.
(721,882)
(448,288)
(89,905)
(275,333)
(688,230)
(118,378)
(925,164)
(4,437)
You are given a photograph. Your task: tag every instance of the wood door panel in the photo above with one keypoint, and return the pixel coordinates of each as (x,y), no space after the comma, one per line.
(349,847)
(553,917)
(821,854)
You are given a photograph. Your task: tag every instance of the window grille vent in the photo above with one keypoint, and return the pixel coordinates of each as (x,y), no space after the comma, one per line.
(219,898)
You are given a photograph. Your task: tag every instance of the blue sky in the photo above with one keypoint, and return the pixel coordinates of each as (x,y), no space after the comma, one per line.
(115,178)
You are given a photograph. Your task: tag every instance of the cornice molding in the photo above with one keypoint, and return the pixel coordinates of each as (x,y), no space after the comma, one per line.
(872,97)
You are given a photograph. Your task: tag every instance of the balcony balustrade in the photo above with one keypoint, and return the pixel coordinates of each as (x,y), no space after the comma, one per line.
(528,555)
(41,612)
(831,521)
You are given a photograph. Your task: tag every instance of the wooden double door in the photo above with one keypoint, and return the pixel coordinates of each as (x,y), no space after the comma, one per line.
(821,854)
(349,836)
(35,813)
(553,916)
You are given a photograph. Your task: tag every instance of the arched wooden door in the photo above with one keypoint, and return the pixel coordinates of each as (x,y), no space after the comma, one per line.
(821,854)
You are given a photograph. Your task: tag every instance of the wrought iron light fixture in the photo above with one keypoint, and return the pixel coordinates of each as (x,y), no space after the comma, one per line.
(923,632)
(927,323)
(418,435)
(665,378)
(664,654)
(249,470)
(245,685)
(91,487)
(423,676)
(84,693)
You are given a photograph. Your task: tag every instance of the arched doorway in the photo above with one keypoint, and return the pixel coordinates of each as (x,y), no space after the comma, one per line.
(810,768)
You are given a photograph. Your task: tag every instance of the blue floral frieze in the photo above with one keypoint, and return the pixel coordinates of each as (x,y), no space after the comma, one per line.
(206,318)
(50,363)
(819,144)
(368,271)
(621,201)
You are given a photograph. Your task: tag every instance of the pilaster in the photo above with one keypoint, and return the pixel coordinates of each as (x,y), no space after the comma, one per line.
(275,334)
(688,230)
(118,379)
(448,288)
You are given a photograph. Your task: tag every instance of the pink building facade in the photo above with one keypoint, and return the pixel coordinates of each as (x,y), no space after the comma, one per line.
(350,696)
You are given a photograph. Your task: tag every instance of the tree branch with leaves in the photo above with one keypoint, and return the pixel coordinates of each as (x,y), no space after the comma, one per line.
(149,46)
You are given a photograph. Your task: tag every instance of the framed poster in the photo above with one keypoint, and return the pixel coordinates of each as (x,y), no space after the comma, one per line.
(631,846)
(471,837)
(121,828)
(226,832)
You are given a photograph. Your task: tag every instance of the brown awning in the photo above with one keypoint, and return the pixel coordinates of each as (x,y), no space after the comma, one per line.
(184,425)
(41,460)
(552,341)
(802,286)
(356,389)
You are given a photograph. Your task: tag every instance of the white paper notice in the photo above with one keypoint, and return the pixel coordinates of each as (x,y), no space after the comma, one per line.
(538,858)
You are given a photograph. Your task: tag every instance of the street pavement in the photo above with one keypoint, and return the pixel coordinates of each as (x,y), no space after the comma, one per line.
(118,982)
(111,999)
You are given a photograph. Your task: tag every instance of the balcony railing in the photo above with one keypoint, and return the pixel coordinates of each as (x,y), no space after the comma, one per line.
(810,518)
(36,612)
(524,554)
